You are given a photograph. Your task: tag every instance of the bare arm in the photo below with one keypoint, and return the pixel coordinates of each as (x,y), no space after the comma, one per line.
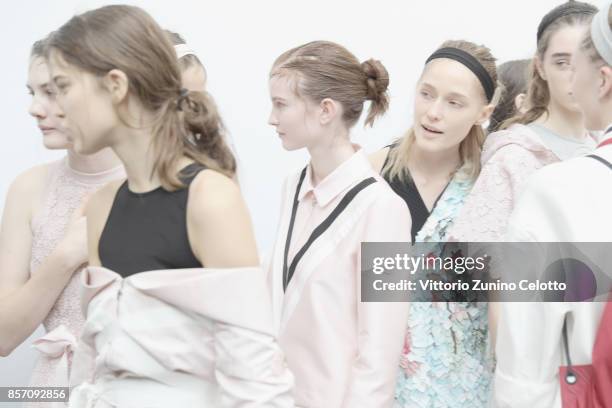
(249,364)
(218,223)
(26,300)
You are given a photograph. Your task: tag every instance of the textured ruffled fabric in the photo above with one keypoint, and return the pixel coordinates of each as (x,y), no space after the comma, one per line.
(509,157)
(445,361)
(64,192)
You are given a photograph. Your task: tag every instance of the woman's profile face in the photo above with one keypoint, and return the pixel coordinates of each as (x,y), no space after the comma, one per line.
(589,85)
(91,117)
(293,117)
(44,107)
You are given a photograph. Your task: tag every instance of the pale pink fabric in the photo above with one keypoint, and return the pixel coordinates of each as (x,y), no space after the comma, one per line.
(343,353)
(178,338)
(65,191)
(509,157)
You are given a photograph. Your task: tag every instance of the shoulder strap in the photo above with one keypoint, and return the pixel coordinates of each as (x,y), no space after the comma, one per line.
(601,160)
(570,376)
(321,228)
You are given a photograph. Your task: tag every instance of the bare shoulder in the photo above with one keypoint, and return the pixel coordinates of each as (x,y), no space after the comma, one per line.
(32,181)
(377,159)
(212,193)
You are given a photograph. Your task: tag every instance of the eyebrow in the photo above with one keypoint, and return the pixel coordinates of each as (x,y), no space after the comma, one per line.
(43,85)
(561,55)
(56,77)
(278,98)
(451,94)
(458,95)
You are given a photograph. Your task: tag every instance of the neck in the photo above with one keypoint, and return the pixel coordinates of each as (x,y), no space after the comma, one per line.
(99,162)
(434,165)
(606,118)
(134,150)
(564,122)
(326,157)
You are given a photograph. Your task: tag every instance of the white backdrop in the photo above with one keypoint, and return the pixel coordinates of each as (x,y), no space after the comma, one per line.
(238,41)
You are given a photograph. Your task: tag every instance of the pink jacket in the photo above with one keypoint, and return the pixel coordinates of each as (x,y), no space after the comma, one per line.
(183,337)
(344,353)
(509,157)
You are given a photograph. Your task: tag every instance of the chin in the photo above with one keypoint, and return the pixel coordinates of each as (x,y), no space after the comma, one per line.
(56,142)
(289,146)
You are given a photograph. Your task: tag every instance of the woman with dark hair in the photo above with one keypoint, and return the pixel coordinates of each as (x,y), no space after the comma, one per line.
(513,75)
(550,129)
(176,304)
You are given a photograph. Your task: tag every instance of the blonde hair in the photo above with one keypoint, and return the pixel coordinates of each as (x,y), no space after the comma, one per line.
(471,146)
(128,39)
(324,69)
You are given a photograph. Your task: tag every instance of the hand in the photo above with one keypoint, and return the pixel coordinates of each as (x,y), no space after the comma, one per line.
(73,247)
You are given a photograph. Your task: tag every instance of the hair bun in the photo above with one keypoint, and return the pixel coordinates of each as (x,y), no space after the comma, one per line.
(377,78)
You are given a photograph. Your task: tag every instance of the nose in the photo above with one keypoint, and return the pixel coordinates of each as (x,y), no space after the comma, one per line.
(37,109)
(434,113)
(272,119)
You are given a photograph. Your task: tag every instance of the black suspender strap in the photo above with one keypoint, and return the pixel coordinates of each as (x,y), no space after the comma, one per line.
(291,222)
(601,160)
(319,230)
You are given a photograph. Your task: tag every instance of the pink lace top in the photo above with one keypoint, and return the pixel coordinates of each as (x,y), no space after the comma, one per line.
(509,157)
(65,190)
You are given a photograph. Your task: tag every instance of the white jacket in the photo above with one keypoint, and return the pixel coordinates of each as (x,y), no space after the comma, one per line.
(563,202)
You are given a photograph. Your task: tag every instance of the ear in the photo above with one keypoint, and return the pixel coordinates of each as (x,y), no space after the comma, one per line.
(519,101)
(117,84)
(605,85)
(329,110)
(539,67)
(485,114)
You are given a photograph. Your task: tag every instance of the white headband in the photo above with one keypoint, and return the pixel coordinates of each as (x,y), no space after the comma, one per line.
(183,50)
(601,33)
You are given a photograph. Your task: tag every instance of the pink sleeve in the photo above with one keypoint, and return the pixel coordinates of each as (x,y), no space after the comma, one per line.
(484,216)
(381,324)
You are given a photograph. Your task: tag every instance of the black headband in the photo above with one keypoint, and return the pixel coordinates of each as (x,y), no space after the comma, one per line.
(471,63)
(565,9)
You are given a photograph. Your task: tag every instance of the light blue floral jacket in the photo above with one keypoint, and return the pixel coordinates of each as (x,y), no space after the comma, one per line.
(445,361)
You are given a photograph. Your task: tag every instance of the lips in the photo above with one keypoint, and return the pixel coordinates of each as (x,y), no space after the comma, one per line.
(46,129)
(431,129)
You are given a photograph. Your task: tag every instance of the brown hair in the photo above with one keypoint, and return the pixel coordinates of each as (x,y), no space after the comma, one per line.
(470,147)
(327,70)
(186,61)
(513,75)
(128,39)
(588,46)
(538,95)
(38,48)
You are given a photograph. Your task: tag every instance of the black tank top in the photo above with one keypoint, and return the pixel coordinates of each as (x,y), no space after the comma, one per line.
(410,194)
(148,231)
